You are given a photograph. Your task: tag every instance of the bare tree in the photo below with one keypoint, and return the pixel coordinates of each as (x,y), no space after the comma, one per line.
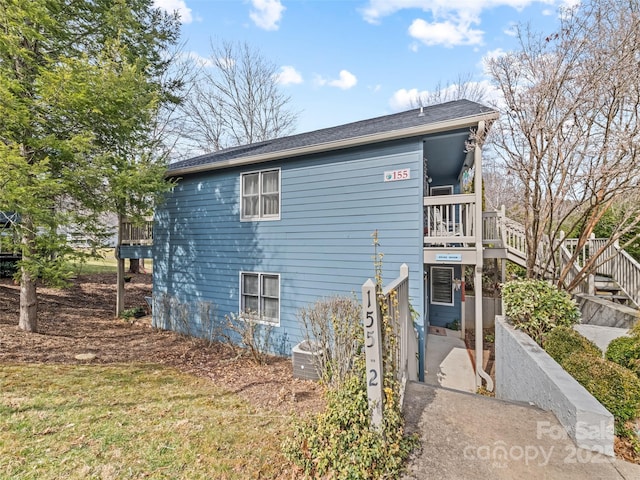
(463,87)
(236,100)
(569,129)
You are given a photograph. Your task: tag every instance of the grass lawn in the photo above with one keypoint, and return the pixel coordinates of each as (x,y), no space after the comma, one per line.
(130,421)
(105,264)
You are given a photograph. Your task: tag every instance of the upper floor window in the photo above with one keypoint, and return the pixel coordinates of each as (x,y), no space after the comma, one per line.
(260,195)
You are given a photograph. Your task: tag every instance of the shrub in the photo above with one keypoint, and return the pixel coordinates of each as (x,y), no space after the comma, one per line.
(537,307)
(136,312)
(247,334)
(340,443)
(562,342)
(635,330)
(615,387)
(334,323)
(625,351)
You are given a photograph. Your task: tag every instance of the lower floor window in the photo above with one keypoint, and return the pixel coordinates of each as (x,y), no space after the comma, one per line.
(260,296)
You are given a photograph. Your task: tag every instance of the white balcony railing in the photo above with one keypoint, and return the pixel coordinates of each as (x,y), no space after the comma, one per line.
(449,219)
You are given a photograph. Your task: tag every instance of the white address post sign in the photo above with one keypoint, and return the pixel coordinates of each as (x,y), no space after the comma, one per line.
(373,351)
(395,175)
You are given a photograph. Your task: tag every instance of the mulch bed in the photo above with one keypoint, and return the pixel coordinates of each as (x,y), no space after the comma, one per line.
(80,320)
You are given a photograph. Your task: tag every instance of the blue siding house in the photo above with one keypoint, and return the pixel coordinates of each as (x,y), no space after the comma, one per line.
(274,226)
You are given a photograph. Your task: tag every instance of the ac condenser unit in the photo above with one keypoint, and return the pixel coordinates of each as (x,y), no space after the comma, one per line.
(305,360)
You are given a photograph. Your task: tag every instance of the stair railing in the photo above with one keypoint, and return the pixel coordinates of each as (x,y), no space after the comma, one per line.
(624,269)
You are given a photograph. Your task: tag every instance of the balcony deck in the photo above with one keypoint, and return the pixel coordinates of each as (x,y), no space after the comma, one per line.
(137,234)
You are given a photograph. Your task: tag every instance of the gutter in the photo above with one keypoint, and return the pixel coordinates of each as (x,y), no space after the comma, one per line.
(338,145)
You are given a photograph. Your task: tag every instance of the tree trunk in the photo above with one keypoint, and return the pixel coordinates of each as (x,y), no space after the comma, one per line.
(134,265)
(28,296)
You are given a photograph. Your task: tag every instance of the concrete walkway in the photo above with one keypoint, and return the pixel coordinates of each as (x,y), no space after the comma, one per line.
(467,436)
(600,335)
(448,362)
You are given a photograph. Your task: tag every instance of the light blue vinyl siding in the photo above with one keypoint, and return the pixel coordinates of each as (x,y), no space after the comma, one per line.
(330,206)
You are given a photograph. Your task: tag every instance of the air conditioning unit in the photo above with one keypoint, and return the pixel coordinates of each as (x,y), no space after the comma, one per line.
(305,360)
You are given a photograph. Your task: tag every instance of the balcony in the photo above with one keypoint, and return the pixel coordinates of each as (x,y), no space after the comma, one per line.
(137,234)
(449,221)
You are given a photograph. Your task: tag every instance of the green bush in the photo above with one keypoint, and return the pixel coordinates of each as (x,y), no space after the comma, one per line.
(340,443)
(635,330)
(537,307)
(625,351)
(615,387)
(562,342)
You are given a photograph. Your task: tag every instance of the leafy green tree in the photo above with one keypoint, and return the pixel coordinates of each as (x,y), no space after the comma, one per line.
(78,90)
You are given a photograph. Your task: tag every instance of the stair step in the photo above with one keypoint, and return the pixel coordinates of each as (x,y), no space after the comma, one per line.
(622,299)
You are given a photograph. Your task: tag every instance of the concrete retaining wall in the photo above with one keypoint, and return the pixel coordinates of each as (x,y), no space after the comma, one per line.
(605,313)
(526,373)
(490,308)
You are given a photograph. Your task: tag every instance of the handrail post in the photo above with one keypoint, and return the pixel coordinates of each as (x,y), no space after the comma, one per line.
(502,230)
(373,351)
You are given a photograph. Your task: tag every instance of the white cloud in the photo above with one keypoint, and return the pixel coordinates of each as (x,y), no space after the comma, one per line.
(511,30)
(446,33)
(402,99)
(491,54)
(346,81)
(377,9)
(267,13)
(199,60)
(448,22)
(179,6)
(289,75)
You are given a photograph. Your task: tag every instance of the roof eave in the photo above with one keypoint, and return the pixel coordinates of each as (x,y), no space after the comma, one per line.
(436,127)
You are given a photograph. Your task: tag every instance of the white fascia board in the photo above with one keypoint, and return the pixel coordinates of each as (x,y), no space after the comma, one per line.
(455,123)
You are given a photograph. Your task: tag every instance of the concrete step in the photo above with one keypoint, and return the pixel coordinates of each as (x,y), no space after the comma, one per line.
(599,310)
(600,335)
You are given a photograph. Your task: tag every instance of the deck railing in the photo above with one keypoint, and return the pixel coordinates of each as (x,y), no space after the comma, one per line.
(396,298)
(137,234)
(501,232)
(566,251)
(449,219)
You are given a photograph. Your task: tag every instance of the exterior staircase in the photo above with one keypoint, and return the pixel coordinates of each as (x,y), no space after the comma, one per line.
(617,277)
(608,289)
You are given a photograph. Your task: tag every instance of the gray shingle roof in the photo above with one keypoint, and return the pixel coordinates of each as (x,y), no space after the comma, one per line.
(458,109)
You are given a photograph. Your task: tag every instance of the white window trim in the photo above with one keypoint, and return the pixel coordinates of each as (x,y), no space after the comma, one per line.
(260,217)
(453,302)
(243,315)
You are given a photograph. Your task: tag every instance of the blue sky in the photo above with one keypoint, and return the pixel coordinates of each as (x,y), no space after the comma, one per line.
(348,60)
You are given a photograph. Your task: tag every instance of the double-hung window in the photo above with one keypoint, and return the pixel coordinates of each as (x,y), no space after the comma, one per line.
(260,296)
(260,195)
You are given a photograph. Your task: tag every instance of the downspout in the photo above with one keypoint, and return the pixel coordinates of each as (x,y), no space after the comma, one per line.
(480,373)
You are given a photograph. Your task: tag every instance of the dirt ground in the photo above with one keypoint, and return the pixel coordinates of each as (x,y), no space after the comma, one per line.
(80,320)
